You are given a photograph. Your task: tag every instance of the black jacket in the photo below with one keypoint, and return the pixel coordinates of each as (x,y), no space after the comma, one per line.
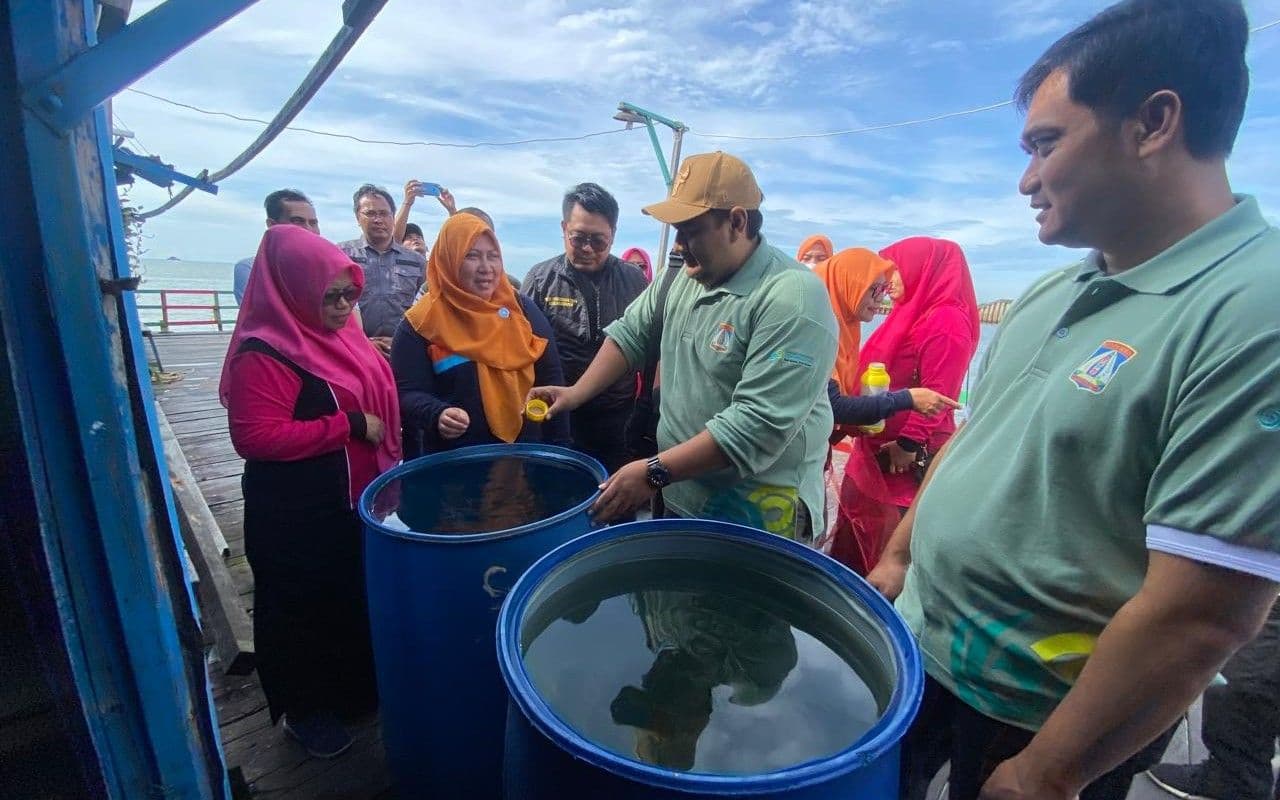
(579,306)
(425,393)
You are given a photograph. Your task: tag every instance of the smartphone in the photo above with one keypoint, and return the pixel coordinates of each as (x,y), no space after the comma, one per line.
(428,189)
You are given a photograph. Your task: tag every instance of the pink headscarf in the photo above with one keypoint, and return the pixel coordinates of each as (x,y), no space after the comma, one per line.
(934,275)
(282,302)
(647,269)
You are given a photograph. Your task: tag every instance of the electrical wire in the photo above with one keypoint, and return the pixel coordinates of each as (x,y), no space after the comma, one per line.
(415,143)
(134,138)
(867,129)
(890,125)
(581,137)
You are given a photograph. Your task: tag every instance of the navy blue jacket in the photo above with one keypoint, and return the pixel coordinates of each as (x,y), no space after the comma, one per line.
(864,409)
(424,393)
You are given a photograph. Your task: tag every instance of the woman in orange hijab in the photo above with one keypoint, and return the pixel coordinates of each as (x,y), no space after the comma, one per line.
(814,250)
(857,281)
(469,350)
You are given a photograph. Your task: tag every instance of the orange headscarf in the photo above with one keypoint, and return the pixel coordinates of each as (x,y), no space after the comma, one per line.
(816,239)
(493,333)
(848,275)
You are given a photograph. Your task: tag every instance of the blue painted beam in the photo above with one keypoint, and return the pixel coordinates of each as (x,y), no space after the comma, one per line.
(670,123)
(162,175)
(105,516)
(359,13)
(93,76)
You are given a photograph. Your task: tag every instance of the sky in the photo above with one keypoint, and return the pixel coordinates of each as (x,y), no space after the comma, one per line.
(484,72)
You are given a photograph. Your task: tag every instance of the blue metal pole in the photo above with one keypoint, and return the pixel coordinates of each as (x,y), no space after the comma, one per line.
(105,515)
(657,150)
(92,76)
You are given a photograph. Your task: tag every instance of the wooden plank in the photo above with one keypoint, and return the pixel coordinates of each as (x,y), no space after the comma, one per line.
(222,610)
(220,490)
(213,470)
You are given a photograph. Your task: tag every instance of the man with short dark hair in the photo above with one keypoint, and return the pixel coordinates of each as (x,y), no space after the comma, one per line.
(748,343)
(283,207)
(392,272)
(581,291)
(1104,532)
(414,240)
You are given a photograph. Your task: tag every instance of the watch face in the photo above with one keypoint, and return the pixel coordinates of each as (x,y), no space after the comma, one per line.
(658,475)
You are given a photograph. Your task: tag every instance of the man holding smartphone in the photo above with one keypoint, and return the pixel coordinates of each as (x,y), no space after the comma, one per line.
(413,189)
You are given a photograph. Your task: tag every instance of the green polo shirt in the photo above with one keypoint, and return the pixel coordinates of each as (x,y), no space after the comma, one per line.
(747,361)
(1115,415)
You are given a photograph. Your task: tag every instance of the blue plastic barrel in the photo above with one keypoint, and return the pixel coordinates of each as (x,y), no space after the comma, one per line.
(436,579)
(546,757)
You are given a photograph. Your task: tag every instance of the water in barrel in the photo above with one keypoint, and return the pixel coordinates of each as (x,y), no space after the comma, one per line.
(481,495)
(703,667)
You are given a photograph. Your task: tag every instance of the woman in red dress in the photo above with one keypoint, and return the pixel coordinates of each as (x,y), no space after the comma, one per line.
(927,341)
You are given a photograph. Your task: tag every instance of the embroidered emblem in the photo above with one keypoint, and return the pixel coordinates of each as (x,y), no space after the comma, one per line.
(1098,369)
(680,179)
(721,339)
(791,357)
(1270,419)
(561,302)
(504,312)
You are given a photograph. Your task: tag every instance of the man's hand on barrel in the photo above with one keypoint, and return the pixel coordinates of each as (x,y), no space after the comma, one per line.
(559,399)
(1015,780)
(625,492)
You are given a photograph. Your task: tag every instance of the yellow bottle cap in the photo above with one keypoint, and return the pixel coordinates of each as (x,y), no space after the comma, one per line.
(535,410)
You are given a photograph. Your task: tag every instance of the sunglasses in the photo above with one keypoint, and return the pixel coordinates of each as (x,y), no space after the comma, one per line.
(351,294)
(595,241)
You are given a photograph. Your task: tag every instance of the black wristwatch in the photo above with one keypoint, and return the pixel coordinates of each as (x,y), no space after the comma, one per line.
(910,445)
(657,473)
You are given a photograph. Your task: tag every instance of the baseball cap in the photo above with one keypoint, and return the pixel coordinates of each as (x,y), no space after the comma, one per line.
(707,181)
(413,228)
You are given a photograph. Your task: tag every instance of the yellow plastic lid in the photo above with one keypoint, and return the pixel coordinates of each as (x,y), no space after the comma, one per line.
(535,410)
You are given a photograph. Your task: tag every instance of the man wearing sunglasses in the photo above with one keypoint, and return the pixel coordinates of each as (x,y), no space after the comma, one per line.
(581,291)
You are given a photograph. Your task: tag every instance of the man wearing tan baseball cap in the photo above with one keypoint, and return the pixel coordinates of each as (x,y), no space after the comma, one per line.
(746,340)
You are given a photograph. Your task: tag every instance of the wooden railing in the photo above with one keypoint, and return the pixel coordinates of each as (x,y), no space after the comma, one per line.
(209,300)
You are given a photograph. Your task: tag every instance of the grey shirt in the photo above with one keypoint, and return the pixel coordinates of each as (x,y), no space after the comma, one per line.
(391,281)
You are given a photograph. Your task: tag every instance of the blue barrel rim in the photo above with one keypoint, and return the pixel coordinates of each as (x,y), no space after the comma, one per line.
(533,452)
(901,708)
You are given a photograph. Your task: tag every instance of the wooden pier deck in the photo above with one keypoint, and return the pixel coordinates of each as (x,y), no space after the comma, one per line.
(270,764)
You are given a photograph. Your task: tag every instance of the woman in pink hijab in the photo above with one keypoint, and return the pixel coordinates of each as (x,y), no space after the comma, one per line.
(313,411)
(927,341)
(637,256)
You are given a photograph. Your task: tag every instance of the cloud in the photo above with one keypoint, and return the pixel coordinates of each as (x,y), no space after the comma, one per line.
(427,70)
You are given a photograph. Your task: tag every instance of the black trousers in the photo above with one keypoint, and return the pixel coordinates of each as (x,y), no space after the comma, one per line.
(947,729)
(1242,718)
(601,434)
(310,616)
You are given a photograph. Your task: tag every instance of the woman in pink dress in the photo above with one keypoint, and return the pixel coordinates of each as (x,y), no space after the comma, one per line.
(927,341)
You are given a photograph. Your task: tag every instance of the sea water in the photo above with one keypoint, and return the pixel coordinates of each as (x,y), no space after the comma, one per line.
(700,666)
(481,495)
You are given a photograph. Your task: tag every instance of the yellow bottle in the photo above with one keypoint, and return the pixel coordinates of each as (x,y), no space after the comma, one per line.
(875,381)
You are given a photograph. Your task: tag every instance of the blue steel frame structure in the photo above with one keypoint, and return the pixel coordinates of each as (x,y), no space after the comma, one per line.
(90,532)
(106,521)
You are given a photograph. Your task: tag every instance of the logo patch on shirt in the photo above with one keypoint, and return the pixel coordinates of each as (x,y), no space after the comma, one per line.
(561,302)
(791,357)
(1098,369)
(722,338)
